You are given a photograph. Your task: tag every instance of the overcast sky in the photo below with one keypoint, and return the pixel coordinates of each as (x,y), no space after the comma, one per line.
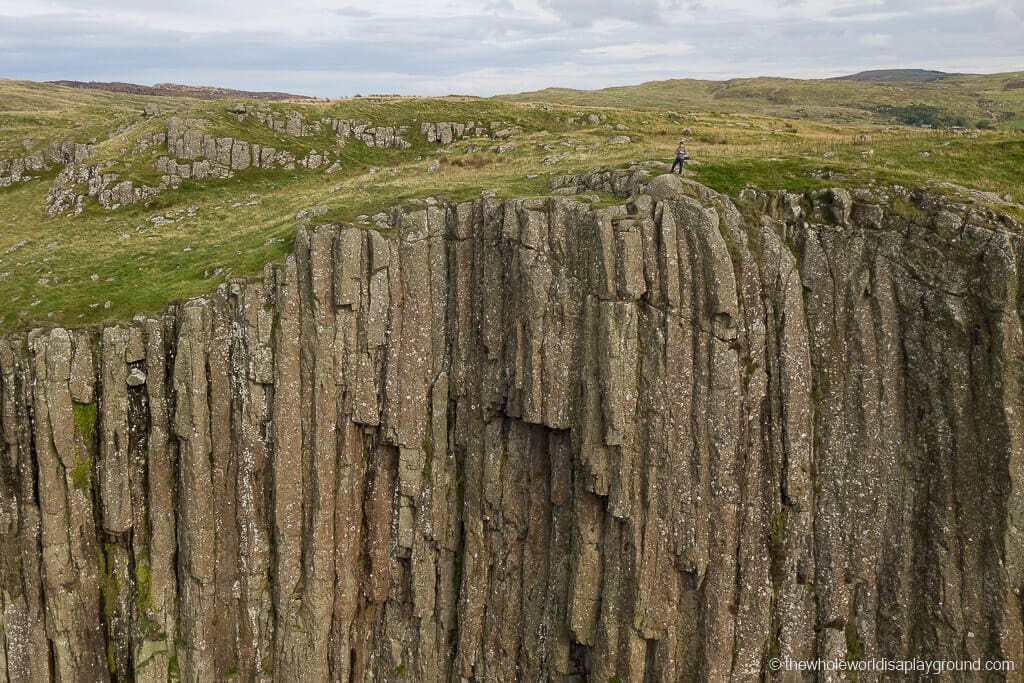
(484,47)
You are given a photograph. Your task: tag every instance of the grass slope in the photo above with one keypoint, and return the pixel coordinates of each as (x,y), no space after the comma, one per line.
(35,114)
(896,76)
(108,265)
(996,99)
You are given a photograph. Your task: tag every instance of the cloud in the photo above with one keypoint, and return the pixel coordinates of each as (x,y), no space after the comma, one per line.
(875,39)
(485,47)
(630,52)
(586,12)
(353,12)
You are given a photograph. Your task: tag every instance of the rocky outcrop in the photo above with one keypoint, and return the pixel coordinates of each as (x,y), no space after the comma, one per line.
(214,156)
(531,440)
(78,181)
(295,124)
(383,137)
(194,155)
(289,123)
(447,132)
(55,154)
(621,182)
(584,119)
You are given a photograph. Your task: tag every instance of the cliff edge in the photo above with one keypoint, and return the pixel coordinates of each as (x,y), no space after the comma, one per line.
(535,439)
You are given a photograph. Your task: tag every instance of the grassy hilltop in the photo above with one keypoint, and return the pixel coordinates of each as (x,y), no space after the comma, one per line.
(111,263)
(899,96)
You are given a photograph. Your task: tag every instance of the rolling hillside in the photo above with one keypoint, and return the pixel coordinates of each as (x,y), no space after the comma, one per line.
(968,100)
(896,76)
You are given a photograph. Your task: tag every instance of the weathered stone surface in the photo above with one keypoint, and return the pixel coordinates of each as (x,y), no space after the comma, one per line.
(20,169)
(665,187)
(65,449)
(534,440)
(447,132)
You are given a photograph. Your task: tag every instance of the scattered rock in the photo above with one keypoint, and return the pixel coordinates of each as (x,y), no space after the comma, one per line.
(312,212)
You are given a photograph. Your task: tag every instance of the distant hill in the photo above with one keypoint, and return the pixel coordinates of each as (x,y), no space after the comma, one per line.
(896,96)
(199,92)
(896,76)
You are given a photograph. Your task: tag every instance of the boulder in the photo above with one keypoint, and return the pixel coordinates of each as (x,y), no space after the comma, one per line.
(664,187)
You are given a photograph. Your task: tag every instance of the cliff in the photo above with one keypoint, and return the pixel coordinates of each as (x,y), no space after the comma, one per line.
(535,439)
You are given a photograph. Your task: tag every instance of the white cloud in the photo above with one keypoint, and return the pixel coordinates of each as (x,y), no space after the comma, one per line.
(635,51)
(875,39)
(324,47)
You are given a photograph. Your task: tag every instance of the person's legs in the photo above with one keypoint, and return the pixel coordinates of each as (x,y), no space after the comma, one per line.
(677,161)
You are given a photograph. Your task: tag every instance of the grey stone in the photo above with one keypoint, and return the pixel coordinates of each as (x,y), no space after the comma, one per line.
(136,377)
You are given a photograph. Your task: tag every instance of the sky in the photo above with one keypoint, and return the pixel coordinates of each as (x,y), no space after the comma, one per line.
(485,47)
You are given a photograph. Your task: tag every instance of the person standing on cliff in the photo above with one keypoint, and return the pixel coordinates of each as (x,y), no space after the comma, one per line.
(681,156)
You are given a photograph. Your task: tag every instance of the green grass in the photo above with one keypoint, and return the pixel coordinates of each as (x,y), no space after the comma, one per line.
(79,475)
(48,113)
(111,588)
(975,98)
(110,265)
(85,419)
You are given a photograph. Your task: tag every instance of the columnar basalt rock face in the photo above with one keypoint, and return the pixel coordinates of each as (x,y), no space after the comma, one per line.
(531,440)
